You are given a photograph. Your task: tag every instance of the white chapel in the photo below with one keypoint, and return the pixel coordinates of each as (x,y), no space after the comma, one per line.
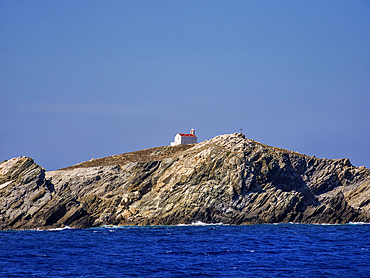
(185,139)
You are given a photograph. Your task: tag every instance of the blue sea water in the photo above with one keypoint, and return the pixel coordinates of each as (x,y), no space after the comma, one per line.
(283,250)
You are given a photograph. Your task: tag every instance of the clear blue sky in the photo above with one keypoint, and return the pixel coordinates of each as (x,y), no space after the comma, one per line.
(84,79)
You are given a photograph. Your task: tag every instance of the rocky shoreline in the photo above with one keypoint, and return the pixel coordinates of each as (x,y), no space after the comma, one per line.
(229,179)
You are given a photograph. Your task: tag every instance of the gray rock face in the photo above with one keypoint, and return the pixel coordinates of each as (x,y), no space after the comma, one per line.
(229,179)
(23,191)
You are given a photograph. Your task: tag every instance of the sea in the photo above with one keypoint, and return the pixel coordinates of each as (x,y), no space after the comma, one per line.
(198,250)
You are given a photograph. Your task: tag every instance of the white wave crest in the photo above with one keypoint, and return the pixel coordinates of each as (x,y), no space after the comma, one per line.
(200,223)
(61,229)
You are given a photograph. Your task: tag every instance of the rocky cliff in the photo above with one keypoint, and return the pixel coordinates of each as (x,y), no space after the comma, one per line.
(229,179)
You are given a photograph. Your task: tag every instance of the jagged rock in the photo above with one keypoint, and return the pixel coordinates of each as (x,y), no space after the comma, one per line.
(229,179)
(23,191)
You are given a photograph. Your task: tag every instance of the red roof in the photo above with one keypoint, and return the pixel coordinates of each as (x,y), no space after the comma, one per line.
(186,135)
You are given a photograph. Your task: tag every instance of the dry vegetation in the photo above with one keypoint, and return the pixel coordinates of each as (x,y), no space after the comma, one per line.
(281,150)
(157,153)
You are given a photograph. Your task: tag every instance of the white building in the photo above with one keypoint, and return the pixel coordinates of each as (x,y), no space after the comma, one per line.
(185,139)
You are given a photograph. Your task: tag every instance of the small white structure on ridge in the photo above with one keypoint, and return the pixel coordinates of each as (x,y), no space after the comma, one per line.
(185,139)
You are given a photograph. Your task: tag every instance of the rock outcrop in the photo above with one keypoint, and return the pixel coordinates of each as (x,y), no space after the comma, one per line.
(229,179)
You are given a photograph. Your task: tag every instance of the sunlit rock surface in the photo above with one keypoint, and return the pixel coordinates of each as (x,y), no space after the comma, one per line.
(229,179)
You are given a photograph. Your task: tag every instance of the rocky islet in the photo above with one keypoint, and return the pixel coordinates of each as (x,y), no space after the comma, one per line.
(229,179)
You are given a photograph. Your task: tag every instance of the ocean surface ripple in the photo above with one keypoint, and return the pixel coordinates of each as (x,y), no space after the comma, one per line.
(283,250)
